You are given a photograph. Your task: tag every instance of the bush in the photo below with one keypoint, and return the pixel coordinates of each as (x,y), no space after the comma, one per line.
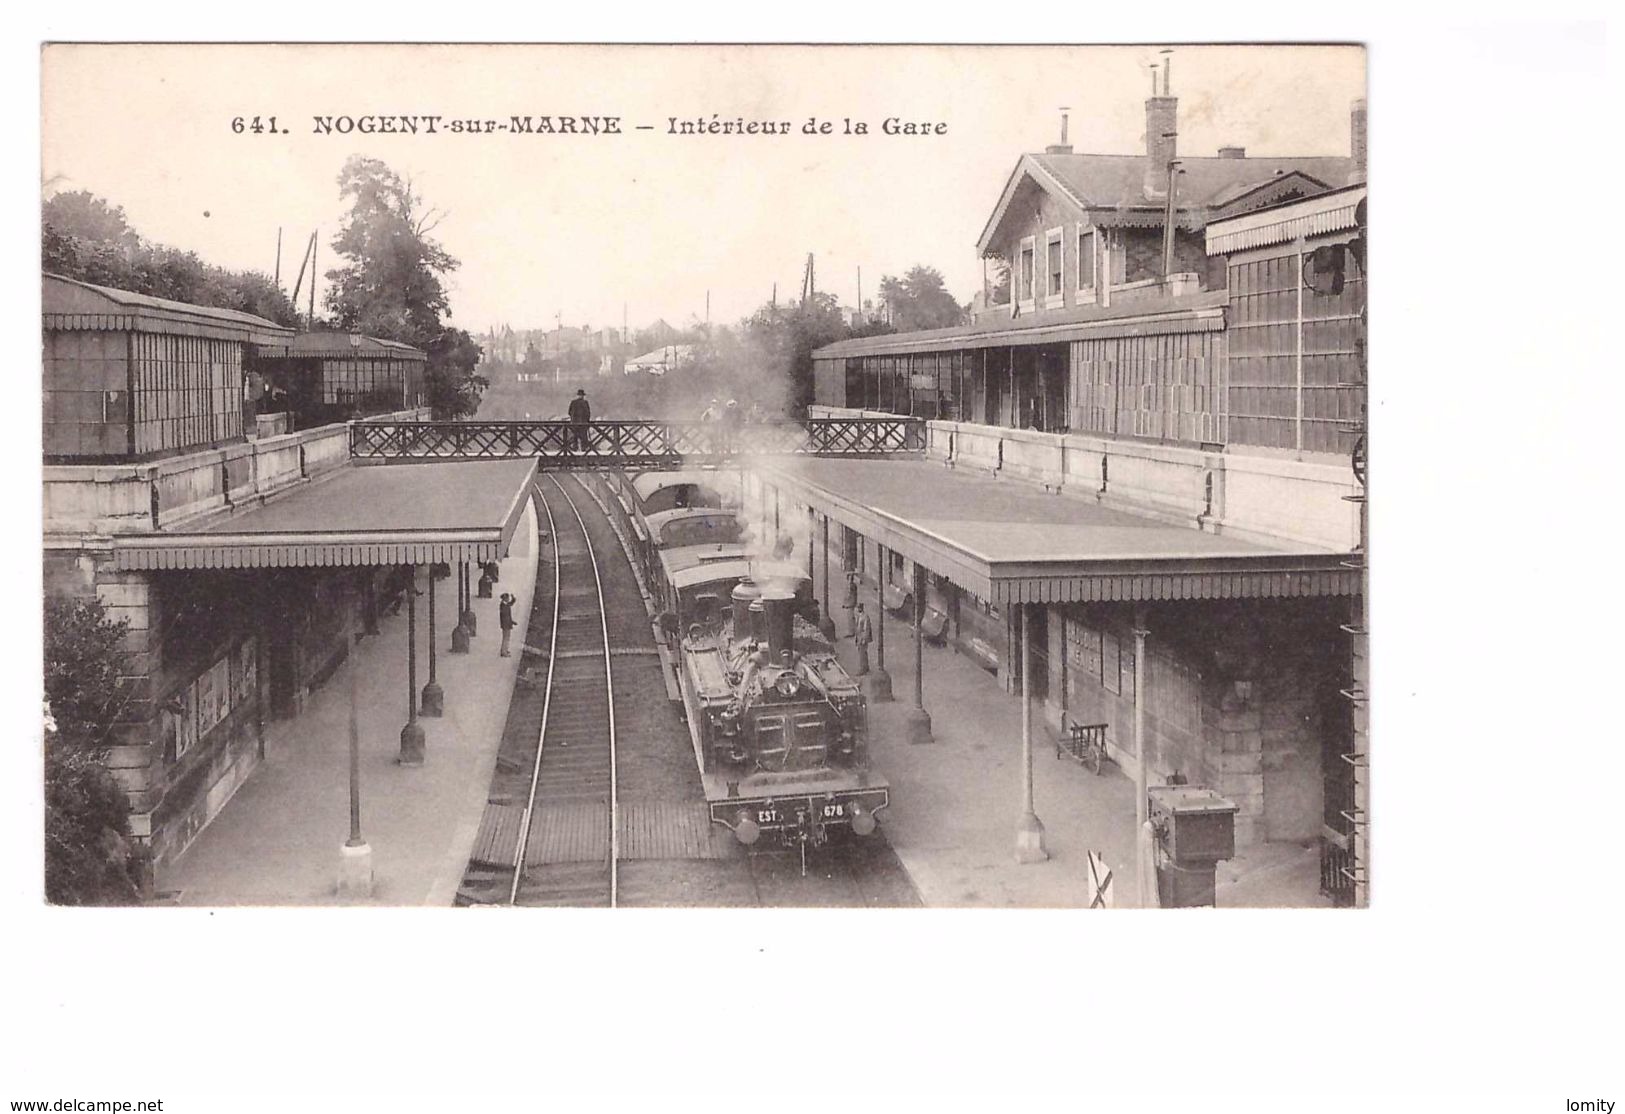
(89,859)
(88,856)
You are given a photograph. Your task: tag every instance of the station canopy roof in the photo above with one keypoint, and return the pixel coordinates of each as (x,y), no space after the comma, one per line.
(359,515)
(1190,313)
(333,344)
(1014,543)
(70,305)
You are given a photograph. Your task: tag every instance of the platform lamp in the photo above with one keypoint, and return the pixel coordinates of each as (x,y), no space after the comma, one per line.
(355,857)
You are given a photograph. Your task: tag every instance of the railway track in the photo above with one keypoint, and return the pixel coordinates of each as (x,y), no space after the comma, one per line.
(595,801)
(550,833)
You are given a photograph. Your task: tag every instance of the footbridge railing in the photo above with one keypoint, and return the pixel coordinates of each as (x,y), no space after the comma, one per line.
(639,444)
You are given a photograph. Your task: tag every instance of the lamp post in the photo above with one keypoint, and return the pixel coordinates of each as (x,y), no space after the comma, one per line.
(1029,829)
(355,857)
(877,682)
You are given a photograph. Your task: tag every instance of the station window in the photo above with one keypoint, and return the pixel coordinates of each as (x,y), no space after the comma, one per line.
(1025,285)
(1054,255)
(1086,259)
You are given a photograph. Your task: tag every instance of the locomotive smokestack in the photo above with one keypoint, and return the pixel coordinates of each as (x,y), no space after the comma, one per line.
(745,593)
(780,606)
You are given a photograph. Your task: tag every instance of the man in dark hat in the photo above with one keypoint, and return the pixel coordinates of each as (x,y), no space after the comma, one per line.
(505,621)
(580,416)
(863,633)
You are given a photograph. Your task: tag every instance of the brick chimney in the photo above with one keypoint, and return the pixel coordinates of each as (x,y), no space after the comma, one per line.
(1063,147)
(1232,152)
(1161,121)
(1357,140)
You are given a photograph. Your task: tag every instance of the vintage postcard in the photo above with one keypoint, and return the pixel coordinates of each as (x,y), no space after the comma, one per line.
(705,476)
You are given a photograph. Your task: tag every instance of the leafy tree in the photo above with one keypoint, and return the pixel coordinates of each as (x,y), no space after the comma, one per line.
(390,284)
(81,214)
(86,238)
(920,300)
(452,385)
(1000,293)
(88,858)
(783,338)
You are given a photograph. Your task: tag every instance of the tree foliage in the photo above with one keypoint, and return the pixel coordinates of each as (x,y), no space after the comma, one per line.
(88,858)
(89,239)
(390,284)
(919,300)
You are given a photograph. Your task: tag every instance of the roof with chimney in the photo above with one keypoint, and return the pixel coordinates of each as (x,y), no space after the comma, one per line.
(1111,188)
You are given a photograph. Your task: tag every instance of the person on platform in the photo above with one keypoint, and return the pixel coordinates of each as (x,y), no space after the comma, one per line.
(850,606)
(580,417)
(862,634)
(505,621)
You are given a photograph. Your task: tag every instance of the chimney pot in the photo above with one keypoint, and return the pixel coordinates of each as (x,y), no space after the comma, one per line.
(1161,122)
(1063,147)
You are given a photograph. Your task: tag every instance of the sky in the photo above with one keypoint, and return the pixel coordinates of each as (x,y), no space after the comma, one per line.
(581,229)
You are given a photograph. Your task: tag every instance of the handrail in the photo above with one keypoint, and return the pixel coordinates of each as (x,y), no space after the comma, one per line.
(634,442)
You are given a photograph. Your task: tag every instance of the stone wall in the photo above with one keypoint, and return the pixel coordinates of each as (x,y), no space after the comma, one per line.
(1234,700)
(1255,497)
(100,499)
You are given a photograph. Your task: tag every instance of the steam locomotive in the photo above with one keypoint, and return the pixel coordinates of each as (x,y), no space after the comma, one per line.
(779,728)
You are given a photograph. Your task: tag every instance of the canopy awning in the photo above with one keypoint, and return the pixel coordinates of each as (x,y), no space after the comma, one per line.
(1009,543)
(464,511)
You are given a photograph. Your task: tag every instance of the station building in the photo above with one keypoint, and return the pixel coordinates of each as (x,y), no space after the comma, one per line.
(240,562)
(1151,431)
(330,376)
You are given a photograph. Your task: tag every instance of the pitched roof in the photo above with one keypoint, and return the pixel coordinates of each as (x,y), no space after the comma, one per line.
(1117,182)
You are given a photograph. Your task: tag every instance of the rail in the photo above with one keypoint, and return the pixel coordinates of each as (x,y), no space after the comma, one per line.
(554,657)
(649,444)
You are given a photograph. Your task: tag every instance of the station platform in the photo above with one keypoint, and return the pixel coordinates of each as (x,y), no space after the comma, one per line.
(277,841)
(955,801)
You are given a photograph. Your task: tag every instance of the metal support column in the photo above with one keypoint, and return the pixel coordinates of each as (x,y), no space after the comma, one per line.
(434,697)
(355,857)
(412,733)
(826,625)
(369,609)
(459,633)
(919,720)
(468,617)
(1142,762)
(1029,829)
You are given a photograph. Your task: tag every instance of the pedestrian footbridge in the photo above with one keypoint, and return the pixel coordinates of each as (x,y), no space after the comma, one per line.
(634,444)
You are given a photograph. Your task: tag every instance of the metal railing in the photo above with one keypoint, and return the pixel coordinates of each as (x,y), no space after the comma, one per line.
(564,444)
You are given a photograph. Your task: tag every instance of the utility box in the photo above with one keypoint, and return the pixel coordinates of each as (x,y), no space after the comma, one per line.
(1197,825)
(1186,887)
